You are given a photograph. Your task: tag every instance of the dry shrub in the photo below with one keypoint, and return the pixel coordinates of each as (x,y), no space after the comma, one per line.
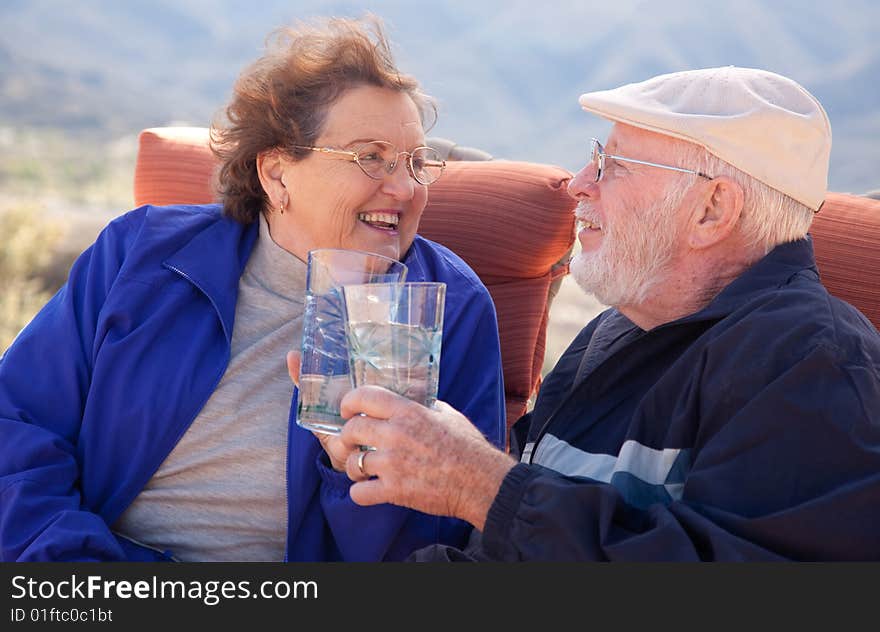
(26,257)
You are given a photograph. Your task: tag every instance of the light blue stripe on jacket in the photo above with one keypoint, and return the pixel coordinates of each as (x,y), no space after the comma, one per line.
(642,474)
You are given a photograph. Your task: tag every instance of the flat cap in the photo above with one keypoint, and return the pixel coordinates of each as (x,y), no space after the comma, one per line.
(762,123)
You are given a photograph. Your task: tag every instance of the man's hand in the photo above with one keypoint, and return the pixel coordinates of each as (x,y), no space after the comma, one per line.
(432,460)
(332,445)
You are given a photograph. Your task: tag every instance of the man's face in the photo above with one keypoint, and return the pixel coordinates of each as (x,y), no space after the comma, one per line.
(630,224)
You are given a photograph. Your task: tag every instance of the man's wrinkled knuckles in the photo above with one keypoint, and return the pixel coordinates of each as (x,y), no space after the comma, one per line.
(363,430)
(372,400)
(351,436)
(353,430)
(442,407)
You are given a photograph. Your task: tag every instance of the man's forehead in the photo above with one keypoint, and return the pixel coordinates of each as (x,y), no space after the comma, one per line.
(623,138)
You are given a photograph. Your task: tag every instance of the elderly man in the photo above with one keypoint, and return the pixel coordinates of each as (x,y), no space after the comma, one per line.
(725,408)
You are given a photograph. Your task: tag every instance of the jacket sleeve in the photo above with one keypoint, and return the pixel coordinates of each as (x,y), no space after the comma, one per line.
(44,386)
(793,473)
(471,381)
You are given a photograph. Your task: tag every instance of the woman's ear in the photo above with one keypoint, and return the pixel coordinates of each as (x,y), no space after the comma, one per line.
(718,213)
(270,169)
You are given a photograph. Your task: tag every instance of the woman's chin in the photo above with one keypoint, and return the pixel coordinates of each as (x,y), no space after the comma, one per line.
(385,243)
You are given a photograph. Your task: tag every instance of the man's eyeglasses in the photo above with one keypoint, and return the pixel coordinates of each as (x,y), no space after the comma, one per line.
(379,158)
(598,157)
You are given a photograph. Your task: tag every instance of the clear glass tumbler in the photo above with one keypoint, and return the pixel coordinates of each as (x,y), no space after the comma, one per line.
(324,377)
(395,333)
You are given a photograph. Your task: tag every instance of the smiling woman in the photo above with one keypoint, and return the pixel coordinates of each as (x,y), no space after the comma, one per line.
(335,90)
(189,310)
(325,202)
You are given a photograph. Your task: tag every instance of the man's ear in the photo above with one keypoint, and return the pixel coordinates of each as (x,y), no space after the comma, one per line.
(270,168)
(717,213)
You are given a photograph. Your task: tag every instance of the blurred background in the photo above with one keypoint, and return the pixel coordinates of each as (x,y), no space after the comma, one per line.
(79,80)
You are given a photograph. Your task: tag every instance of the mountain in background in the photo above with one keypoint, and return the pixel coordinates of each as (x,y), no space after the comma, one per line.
(507,74)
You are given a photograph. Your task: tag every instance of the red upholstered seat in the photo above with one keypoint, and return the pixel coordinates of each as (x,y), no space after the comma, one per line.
(174,166)
(846,235)
(512,222)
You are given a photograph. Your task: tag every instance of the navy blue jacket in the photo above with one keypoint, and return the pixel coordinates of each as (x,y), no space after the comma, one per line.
(96,391)
(749,430)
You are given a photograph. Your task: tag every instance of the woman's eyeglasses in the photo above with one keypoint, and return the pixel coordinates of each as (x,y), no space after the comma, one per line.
(379,158)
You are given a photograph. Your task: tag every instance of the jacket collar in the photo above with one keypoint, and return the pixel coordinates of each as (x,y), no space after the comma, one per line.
(204,261)
(214,260)
(615,331)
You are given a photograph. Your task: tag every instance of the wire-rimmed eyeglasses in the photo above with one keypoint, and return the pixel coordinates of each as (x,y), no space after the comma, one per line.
(598,156)
(379,158)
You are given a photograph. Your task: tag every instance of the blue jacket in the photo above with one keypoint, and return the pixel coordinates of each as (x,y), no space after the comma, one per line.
(749,430)
(96,391)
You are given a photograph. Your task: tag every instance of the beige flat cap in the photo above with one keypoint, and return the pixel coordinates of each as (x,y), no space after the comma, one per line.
(761,123)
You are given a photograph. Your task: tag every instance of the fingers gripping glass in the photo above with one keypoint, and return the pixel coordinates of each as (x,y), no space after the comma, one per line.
(598,157)
(379,158)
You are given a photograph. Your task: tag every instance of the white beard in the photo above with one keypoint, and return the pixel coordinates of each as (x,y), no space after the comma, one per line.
(634,254)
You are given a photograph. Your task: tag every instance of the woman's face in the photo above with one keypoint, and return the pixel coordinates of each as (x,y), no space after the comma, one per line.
(332,203)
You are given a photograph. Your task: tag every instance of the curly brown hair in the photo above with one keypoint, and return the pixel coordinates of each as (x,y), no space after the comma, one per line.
(282,99)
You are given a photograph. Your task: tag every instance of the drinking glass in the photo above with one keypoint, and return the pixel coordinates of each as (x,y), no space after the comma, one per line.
(324,377)
(395,333)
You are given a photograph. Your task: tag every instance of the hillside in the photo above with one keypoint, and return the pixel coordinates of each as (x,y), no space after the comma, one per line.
(507,74)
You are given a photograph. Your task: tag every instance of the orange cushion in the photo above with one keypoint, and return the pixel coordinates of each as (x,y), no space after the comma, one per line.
(174,166)
(522,325)
(510,221)
(846,236)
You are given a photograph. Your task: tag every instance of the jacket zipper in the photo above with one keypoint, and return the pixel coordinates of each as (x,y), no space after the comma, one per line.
(534,447)
(228,350)
(210,391)
(546,425)
(143,545)
(219,377)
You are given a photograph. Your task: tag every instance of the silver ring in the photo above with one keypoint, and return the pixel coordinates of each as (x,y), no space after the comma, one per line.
(361,458)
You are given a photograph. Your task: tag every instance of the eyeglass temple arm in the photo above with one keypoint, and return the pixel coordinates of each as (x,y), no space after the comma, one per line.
(654,164)
(328,150)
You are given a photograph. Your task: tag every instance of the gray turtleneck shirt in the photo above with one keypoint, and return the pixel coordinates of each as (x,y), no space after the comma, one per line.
(221,493)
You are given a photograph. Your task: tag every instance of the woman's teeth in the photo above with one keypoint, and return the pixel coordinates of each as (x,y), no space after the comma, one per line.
(587,224)
(380,220)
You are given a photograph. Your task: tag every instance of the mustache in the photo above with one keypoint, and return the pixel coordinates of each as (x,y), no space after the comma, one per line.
(583,212)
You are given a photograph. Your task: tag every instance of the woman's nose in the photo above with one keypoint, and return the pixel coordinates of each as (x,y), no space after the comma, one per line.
(399,182)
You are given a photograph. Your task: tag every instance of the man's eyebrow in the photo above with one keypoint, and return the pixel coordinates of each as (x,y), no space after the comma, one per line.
(612,147)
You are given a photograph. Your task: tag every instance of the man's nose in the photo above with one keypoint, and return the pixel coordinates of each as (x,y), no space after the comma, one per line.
(583,183)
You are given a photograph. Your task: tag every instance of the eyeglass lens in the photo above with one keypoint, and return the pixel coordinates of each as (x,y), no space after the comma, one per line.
(597,157)
(379,158)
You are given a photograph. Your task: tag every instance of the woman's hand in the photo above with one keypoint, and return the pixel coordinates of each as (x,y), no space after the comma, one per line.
(333,446)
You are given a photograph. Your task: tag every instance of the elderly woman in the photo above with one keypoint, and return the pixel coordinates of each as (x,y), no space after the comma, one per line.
(145,411)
